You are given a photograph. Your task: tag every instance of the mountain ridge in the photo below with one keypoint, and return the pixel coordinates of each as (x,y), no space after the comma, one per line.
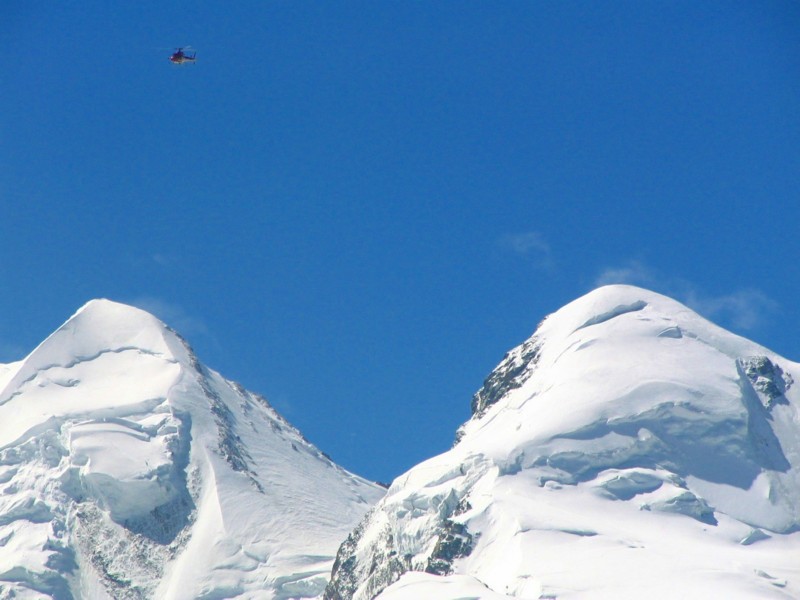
(629,447)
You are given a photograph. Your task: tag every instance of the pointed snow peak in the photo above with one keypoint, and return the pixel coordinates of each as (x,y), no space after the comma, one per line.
(113,323)
(105,308)
(99,330)
(106,326)
(120,435)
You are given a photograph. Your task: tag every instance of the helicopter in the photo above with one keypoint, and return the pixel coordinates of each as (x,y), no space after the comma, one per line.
(179,57)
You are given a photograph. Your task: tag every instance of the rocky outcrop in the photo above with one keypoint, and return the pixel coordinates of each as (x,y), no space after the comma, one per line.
(768,380)
(513,371)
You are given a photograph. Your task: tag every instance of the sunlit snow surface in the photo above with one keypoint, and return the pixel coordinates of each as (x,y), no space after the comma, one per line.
(630,449)
(128,470)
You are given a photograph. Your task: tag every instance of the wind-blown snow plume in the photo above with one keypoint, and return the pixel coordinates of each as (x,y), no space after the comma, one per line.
(629,449)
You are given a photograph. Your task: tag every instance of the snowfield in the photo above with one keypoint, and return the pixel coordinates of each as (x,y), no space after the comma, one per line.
(129,470)
(629,449)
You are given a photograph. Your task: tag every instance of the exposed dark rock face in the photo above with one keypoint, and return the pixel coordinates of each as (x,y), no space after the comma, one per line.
(513,371)
(381,568)
(364,574)
(768,379)
(454,542)
(344,580)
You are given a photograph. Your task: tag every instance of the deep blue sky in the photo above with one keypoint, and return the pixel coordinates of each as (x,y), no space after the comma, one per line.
(356,208)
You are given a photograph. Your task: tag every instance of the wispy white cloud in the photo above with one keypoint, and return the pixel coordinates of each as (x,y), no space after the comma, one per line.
(745,309)
(633,273)
(164,260)
(156,260)
(283,404)
(531,245)
(173,315)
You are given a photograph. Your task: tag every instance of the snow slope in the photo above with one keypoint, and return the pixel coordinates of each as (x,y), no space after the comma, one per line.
(129,470)
(629,449)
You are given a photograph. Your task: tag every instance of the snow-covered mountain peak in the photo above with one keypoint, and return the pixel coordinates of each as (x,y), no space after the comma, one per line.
(108,359)
(112,324)
(627,377)
(107,326)
(624,312)
(628,448)
(98,328)
(618,312)
(130,470)
(607,333)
